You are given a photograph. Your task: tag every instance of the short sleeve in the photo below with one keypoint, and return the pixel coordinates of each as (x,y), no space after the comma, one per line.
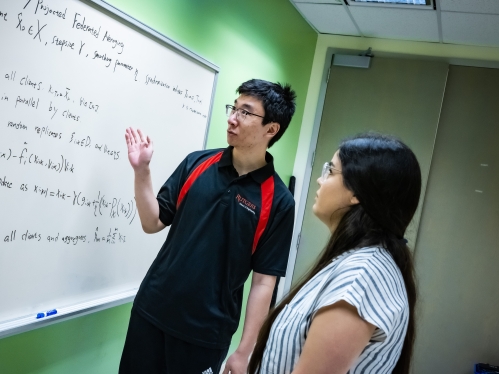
(373,287)
(271,255)
(169,192)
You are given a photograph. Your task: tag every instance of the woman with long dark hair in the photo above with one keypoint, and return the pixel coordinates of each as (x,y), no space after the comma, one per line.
(354,311)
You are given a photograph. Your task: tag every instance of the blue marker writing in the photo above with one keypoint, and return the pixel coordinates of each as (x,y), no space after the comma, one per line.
(51,312)
(40,315)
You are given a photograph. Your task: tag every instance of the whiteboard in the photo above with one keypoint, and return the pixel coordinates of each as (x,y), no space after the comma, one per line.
(74,75)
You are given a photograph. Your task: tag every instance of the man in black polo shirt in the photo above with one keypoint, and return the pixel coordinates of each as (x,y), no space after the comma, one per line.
(230,214)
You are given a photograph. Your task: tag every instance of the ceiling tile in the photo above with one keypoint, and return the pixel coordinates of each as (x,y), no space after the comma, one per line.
(469,28)
(396,23)
(470,6)
(328,18)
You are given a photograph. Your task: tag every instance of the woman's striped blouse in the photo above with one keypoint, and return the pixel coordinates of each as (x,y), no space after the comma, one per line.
(366,278)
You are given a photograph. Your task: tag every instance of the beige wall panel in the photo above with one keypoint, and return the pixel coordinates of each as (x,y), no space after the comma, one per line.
(395,96)
(457,254)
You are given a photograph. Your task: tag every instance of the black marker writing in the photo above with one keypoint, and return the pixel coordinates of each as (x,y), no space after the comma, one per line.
(11,76)
(31,236)
(30,102)
(103,58)
(90,105)
(115,42)
(122,64)
(67,114)
(18,126)
(85,142)
(47,10)
(112,237)
(85,28)
(30,158)
(104,148)
(63,43)
(150,80)
(53,109)
(21,27)
(19,24)
(39,31)
(74,239)
(192,97)
(5,183)
(45,131)
(26,81)
(57,93)
(177,90)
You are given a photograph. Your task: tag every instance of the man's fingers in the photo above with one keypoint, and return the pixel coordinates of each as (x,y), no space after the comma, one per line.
(142,137)
(129,137)
(135,136)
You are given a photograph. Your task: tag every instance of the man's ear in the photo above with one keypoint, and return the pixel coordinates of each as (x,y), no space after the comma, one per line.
(354,200)
(273,129)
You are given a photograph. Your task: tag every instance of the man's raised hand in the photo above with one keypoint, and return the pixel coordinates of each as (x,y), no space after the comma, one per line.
(140,148)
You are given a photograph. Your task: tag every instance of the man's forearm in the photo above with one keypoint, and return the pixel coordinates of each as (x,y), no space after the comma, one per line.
(147,205)
(257,310)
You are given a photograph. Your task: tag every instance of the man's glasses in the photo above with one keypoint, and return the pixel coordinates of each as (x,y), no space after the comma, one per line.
(241,114)
(326,170)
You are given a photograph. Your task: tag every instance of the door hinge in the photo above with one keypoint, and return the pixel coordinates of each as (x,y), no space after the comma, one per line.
(298,241)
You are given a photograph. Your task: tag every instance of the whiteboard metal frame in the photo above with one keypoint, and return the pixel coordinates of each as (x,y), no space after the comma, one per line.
(28,323)
(120,15)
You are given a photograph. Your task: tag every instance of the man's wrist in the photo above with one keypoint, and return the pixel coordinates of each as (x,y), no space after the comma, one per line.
(142,172)
(244,351)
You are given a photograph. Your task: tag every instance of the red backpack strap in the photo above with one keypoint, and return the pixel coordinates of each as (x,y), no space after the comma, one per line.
(267,198)
(196,173)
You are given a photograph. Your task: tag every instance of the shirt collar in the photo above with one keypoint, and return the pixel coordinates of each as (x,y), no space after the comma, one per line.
(259,175)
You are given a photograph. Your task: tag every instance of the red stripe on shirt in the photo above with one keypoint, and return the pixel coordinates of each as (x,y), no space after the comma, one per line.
(197,172)
(267,188)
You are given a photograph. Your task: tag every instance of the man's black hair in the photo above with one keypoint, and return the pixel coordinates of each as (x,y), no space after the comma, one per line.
(278,102)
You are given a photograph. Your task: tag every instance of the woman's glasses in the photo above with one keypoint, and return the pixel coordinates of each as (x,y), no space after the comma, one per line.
(326,170)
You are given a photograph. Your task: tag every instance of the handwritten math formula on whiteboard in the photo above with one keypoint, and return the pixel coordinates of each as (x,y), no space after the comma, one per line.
(73,77)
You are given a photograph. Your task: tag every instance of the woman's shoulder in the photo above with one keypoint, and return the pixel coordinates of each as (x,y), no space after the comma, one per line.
(369,269)
(375,258)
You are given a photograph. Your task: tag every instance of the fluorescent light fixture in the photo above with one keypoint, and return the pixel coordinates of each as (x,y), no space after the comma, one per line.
(410,2)
(352,61)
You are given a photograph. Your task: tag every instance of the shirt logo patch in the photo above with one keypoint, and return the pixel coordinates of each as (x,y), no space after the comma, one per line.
(249,206)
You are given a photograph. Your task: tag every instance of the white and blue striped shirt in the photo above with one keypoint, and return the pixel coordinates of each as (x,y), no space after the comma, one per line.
(366,278)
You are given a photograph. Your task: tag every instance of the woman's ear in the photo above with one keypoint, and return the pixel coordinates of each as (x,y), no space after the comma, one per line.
(354,200)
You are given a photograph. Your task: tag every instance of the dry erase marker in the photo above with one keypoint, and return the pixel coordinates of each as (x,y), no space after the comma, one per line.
(51,312)
(40,315)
